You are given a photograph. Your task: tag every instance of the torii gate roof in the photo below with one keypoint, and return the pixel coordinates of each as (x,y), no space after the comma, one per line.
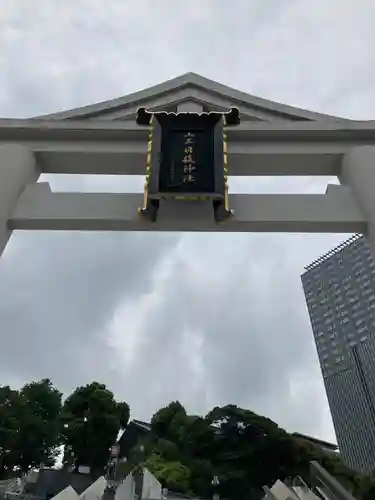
(272,139)
(192,87)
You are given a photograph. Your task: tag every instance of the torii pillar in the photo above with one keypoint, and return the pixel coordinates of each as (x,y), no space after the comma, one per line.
(18,169)
(358,172)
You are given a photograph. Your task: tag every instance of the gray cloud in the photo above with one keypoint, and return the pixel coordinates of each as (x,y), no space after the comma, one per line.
(60,290)
(208,319)
(234,328)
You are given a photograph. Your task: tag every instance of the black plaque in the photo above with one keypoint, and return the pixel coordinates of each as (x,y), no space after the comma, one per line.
(187,162)
(186,154)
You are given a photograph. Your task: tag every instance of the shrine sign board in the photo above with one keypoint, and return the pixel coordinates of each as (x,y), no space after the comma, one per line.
(187,155)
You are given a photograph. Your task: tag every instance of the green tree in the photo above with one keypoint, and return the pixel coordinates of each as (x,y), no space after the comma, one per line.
(184,451)
(91,419)
(169,422)
(10,402)
(366,489)
(171,474)
(39,429)
(179,450)
(167,449)
(249,451)
(123,412)
(246,451)
(29,432)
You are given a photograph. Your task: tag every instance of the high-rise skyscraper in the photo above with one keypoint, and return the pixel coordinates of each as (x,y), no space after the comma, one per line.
(340,296)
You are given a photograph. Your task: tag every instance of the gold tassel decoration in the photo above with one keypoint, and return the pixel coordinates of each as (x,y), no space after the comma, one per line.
(148,167)
(225,158)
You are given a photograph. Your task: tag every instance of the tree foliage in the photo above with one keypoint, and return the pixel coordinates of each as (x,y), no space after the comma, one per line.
(29,426)
(34,424)
(91,421)
(246,451)
(171,473)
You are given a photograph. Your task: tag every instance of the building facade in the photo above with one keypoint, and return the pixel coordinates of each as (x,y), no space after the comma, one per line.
(340,296)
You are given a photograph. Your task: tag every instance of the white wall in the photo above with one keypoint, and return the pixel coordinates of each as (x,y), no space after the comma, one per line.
(125,490)
(151,487)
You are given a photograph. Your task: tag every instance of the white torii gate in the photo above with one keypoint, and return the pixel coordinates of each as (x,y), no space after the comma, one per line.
(272,139)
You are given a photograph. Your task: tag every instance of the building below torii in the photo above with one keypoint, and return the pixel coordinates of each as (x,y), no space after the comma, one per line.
(272,139)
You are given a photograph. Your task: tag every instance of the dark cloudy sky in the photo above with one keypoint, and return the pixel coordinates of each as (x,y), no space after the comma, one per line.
(206,319)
